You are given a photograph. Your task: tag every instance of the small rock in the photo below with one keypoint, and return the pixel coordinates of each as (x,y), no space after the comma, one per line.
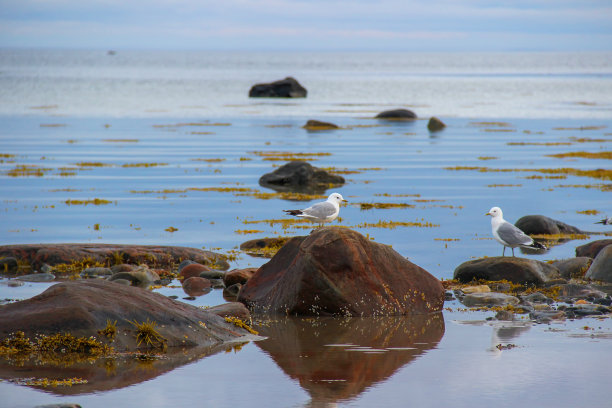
(62,405)
(192,270)
(504,315)
(231,309)
(141,276)
(572,292)
(547,316)
(189,298)
(122,268)
(592,248)
(489,299)
(46,268)
(513,269)
(238,276)
(448,296)
(582,310)
(184,264)
(318,125)
(196,286)
(172,297)
(397,114)
(232,291)
(537,297)
(476,289)
(435,124)
(573,267)
(284,88)
(603,301)
(300,177)
(212,274)
(95,272)
(601,268)
(37,277)
(8,265)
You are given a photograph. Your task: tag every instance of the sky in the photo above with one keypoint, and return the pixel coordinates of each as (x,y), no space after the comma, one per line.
(311,25)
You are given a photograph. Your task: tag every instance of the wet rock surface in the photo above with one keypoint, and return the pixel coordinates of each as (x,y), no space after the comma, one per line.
(592,248)
(238,276)
(83,308)
(489,299)
(397,114)
(540,224)
(337,271)
(517,270)
(573,267)
(161,256)
(300,177)
(601,268)
(283,88)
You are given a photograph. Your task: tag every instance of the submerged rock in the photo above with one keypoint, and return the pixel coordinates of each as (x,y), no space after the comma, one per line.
(300,177)
(539,224)
(319,125)
(592,248)
(284,88)
(397,114)
(517,270)
(435,124)
(337,271)
(83,308)
(601,268)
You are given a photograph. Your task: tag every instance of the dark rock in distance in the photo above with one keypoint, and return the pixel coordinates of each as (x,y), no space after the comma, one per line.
(337,271)
(601,268)
(397,114)
(319,125)
(284,88)
(516,270)
(540,224)
(300,177)
(573,267)
(435,124)
(82,308)
(592,248)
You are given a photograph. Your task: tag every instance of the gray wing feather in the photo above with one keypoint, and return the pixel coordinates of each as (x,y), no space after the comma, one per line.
(320,210)
(512,235)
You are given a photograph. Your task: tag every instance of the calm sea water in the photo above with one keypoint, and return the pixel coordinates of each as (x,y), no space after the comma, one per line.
(177,143)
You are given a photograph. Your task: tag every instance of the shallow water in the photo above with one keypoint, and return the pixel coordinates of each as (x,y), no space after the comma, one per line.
(204,162)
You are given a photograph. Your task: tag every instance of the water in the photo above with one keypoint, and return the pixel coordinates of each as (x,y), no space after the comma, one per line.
(187,115)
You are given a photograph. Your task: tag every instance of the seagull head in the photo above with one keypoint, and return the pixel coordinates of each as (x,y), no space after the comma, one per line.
(495,212)
(336,198)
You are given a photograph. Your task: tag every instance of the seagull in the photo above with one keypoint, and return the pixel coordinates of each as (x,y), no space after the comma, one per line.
(507,234)
(605,221)
(322,212)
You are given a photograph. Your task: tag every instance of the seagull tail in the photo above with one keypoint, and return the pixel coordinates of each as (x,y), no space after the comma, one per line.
(537,245)
(293,212)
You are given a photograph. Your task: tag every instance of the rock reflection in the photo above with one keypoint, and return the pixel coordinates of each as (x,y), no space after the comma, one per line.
(337,359)
(104,374)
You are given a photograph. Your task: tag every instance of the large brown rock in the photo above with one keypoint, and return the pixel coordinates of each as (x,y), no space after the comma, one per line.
(300,177)
(283,88)
(397,114)
(157,255)
(337,271)
(517,270)
(591,249)
(82,308)
(540,224)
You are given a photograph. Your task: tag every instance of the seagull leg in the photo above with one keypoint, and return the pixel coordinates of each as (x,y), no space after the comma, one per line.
(504,251)
(513,251)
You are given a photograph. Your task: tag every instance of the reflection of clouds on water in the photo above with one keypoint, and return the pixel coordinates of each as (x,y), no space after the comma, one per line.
(336,359)
(502,332)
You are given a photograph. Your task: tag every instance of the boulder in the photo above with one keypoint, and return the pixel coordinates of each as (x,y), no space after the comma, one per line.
(284,88)
(592,248)
(435,124)
(337,271)
(573,267)
(161,256)
(489,299)
(571,292)
(212,275)
(83,308)
(238,276)
(397,114)
(517,270)
(141,276)
(601,268)
(191,270)
(319,125)
(36,277)
(300,177)
(231,309)
(539,224)
(196,286)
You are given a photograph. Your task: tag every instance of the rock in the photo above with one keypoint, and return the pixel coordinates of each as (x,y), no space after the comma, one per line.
(263,247)
(191,270)
(217,283)
(160,256)
(586,310)
(231,309)
(184,264)
(547,316)
(238,276)
(571,292)
(82,308)
(196,286)
(62,405)
(284,88)
(397,114)
(121,281)
(337,271)
(476,289)
(141,276)
(435,124)
(300,177)
(601,268)
(592,248)
(318,125)
(573,267)
(212,274)
(37,277)
(122,268)
(539,224)
(505,315)
(232,291)
(516,270)
(96,272)
(537,297)
(8,265)
(489,299)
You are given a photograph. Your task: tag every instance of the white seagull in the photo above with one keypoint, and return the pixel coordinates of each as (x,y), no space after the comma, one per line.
(322,212)
(507,234)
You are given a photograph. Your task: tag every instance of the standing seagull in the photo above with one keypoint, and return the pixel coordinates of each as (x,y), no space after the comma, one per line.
(325,211)
(507,234)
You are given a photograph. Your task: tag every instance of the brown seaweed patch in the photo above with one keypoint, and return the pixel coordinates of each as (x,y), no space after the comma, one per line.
(92,164)
(385,206)
(396,195)
(216,160)
(171,229)
(44,107)
(279,126)
(584,155)
(504,185)
(28,170)
(120,140)
(588,140)
(588,212)
(192,124)
(485,124)
(500,130)
(288,156)
(487,158)
(53,125)
(395,224)
(246,232)
(95,201)
(202,133)
(6,155)
(290,196)
(538,144)
(581,128)
(602,187)
(604,174)
(144,164)
(147,333)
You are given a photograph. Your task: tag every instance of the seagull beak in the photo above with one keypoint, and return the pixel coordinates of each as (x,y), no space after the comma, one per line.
(344,201)
(488,213)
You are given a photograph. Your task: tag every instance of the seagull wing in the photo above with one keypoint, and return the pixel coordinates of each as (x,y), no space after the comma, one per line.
(320,210)
(512,235)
